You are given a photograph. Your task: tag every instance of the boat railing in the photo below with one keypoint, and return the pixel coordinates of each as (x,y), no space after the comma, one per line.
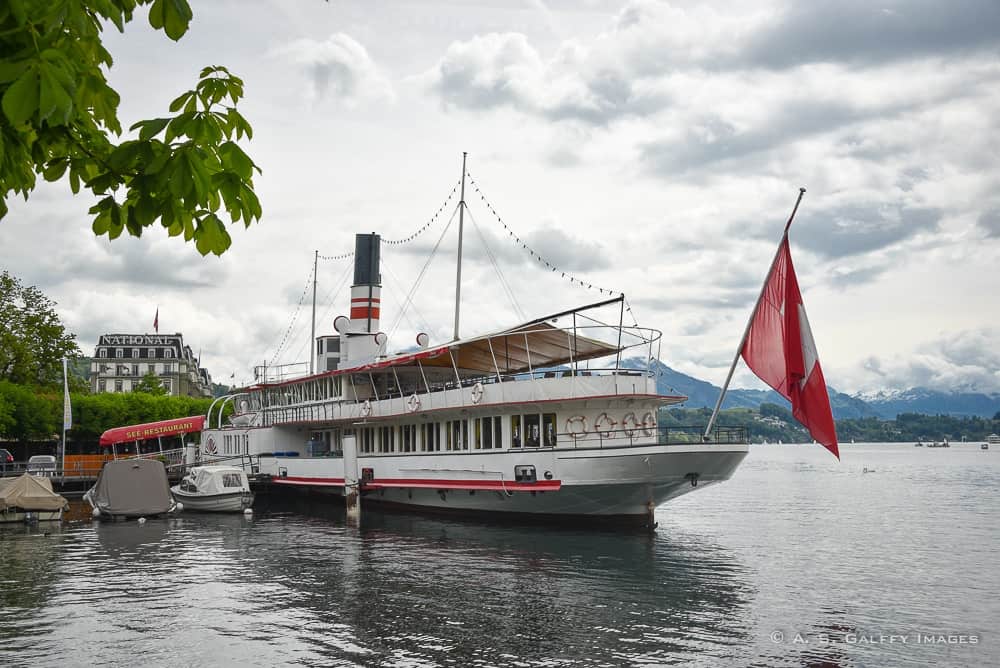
(672,435)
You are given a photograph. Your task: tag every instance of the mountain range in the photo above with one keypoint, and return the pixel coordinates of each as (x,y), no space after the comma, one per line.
(884,405)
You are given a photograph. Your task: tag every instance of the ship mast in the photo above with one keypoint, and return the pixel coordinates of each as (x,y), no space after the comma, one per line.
(458,275)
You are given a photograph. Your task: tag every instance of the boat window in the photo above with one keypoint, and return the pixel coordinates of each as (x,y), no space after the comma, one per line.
(431,437)
(187,486)
(515,431)
(408,437)
(232,480)
(386,442)
(549,429)
(532,432)
(483,437)
(366,439)
(458,434)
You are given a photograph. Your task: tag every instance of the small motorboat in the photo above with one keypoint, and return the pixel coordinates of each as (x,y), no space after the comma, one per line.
(30,498)
(217,489)
(131,488)
(984,446)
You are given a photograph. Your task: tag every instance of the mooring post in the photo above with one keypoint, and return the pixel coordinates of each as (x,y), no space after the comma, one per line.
(352,491)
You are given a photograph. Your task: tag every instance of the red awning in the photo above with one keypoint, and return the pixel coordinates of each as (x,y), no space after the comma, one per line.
(140,432)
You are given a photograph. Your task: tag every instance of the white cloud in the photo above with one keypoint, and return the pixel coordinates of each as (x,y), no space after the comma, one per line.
(339,70)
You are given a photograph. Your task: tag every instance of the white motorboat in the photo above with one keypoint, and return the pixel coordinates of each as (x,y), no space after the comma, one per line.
(217,489)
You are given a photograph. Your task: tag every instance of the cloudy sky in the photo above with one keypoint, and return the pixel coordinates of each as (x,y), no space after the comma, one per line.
(651,147)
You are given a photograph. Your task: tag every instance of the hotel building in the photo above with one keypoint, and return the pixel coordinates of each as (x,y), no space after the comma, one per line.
(121,360)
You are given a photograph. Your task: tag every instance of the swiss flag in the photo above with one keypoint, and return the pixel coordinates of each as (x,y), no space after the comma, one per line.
(779,348)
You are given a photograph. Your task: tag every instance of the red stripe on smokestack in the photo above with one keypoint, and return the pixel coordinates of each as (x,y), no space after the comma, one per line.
(363,313)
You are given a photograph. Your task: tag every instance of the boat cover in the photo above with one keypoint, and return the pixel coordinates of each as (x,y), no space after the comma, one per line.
(30,492)
(132,487)
(212,479)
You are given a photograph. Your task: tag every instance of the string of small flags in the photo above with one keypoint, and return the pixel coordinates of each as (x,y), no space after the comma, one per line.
(342,256)
(396,242)
(295,316)
(531,251)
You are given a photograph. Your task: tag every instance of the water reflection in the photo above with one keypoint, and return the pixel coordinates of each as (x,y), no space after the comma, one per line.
(412,587)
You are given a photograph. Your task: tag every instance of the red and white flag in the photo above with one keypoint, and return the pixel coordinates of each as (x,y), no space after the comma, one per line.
(779,348)
(156,321)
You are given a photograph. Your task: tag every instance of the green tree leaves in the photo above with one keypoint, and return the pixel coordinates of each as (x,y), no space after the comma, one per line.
(151,384)
(32,339)
(171,16)
(59,119)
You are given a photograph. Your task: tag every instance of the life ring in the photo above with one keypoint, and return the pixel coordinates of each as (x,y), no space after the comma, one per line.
(477,393)
(604,424)
(366,408)
(630,424)
(573,422)
(210,446)
(649,424)
(413,403)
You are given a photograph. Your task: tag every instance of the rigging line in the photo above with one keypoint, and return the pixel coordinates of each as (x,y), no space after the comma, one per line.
(409,297)
(342,256)
(295,315)
(496,267)
(328,301)
(536,255)
(398,285)
(423,228)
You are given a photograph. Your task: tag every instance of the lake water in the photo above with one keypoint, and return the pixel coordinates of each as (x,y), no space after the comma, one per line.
(798,560)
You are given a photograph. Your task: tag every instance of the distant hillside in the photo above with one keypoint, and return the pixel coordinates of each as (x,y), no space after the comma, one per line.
(887,405)
(704,394)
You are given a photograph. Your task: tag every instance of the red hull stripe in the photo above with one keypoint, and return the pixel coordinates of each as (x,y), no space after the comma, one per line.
(431,483)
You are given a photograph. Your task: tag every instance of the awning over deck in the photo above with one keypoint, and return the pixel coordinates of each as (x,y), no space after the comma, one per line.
(536,345)
(140,432)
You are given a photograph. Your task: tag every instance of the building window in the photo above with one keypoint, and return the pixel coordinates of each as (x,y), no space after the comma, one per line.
(118,386)
(168,353)
(119,352)
(103,352)
(150,368)
(135,353)
(135,369)
(167,385)
(102,385)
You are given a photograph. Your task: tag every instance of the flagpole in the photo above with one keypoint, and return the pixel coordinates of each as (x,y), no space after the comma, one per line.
(753,314)
(65,397)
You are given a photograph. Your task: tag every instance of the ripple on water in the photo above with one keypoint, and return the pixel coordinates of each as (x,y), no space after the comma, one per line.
(794,543)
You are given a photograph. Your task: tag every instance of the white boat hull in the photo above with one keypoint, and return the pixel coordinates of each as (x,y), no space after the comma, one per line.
(233,502)
(623,484)
(19,515)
